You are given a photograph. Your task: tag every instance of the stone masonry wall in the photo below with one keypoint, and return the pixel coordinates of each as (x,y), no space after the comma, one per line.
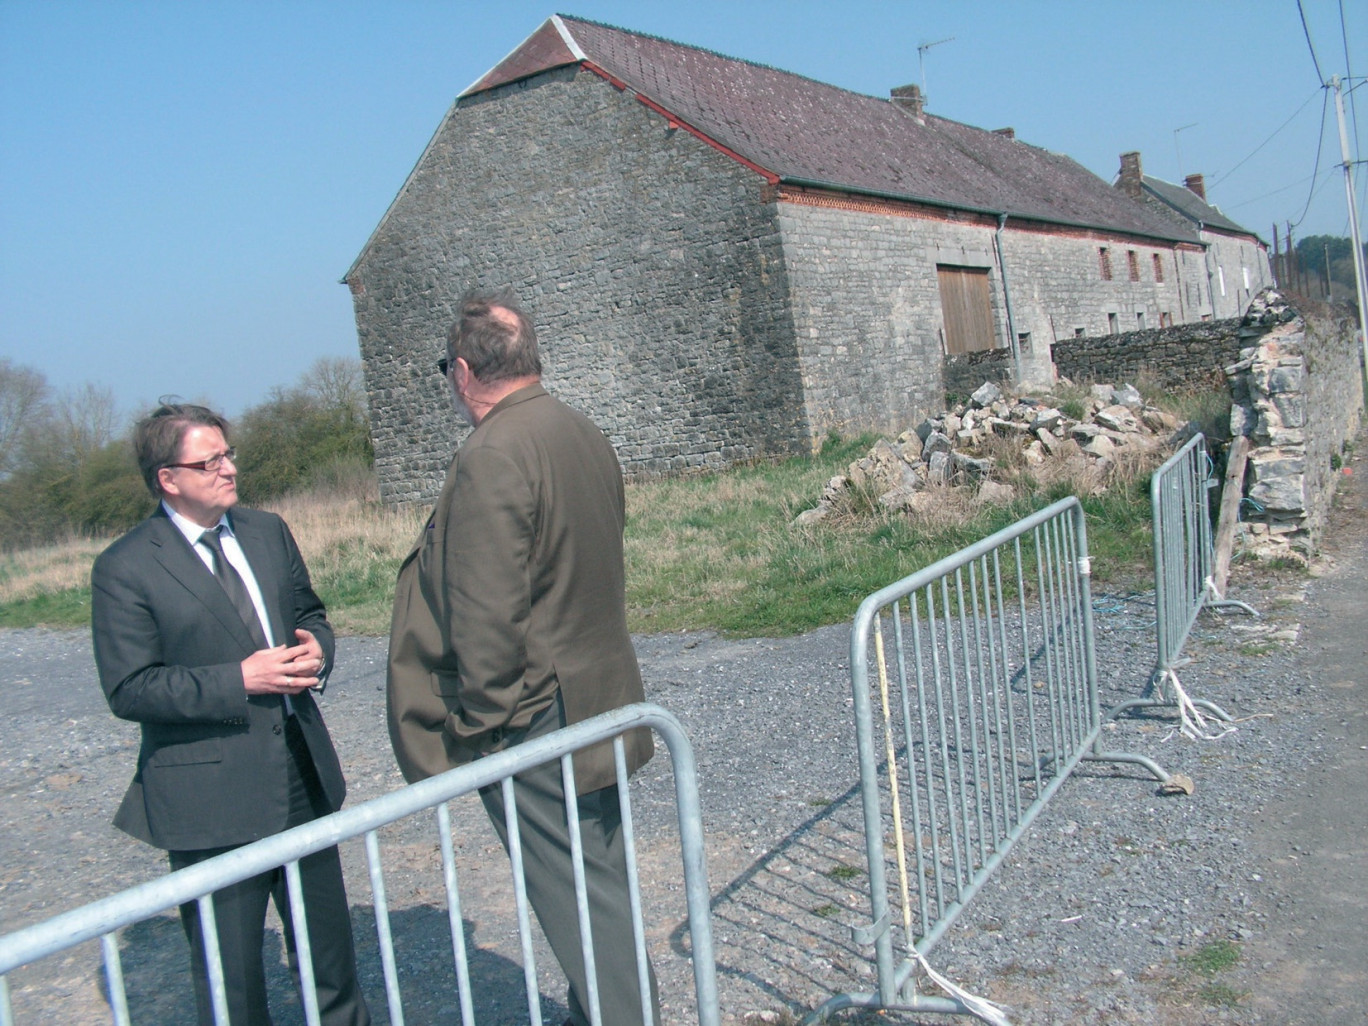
(1237,270)
(867,311)
(1298,396)
(1187,355)
(648,261)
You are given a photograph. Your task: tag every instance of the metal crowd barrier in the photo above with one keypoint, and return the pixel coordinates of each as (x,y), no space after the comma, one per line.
(104,918)
(975,696)
(1183,586)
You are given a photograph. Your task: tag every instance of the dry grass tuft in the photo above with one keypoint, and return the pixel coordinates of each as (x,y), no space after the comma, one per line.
(353,547)
(48,569)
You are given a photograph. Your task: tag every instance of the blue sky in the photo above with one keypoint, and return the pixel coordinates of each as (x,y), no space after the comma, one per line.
(183,184)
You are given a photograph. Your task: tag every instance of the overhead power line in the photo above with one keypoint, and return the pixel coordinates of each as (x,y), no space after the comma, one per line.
(1261,145)
(1309,45)
(1315,167)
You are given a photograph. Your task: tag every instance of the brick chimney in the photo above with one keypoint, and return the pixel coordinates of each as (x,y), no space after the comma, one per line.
(1006,133)
(910,99)
(1196,185)
(1130,180)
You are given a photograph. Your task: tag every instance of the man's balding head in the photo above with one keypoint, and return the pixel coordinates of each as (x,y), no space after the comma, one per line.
(495,338)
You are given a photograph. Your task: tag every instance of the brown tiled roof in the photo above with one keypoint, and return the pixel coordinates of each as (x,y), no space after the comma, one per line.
(1191,206)
(808,132)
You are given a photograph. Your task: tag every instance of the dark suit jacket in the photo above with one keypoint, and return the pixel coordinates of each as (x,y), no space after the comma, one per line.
(515,591)
(169,646)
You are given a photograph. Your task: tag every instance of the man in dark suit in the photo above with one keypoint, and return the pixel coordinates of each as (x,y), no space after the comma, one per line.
(207,632)
(510,622)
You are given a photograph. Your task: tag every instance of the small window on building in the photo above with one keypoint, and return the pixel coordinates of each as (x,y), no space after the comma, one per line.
(1165,319)
(1104,262)
(1220,274)
(1140,319)
(1245,272)
(1133,265)
(1206,317)
(1080,332)
(1113,325)
(1024,342)
(1158,268)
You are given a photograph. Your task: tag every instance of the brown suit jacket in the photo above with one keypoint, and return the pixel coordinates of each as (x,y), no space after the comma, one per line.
(514,592)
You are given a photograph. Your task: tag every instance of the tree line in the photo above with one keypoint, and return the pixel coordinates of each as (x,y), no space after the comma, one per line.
(1316,253)
(67,465)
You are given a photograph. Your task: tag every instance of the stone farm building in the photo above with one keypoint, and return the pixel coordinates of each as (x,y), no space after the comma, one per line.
(726,261)
(1236,259)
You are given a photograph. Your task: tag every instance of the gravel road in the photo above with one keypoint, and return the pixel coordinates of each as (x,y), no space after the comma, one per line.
(1116,907)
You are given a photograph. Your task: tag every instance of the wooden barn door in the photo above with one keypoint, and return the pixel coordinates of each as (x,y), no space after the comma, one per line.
(966,308)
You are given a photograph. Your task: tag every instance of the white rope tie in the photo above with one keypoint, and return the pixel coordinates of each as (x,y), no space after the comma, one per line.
(1194,724)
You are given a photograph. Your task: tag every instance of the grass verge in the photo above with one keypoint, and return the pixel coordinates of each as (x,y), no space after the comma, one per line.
(707,552)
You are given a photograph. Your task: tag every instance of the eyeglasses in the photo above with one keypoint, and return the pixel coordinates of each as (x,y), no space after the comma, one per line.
(210,465)
(442,366)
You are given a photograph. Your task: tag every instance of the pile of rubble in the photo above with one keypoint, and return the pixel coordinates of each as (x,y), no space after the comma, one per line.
(961,447)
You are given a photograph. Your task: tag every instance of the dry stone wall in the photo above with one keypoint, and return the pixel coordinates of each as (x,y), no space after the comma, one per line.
(1184,356)
(1298,397)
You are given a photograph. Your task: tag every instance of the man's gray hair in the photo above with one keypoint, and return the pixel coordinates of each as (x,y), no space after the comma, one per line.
(158,436)
(493,349)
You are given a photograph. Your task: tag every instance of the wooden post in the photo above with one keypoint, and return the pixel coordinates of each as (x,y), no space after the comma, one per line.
(1232,491)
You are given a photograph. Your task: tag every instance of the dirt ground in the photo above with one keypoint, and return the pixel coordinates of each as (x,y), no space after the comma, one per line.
(1311,965)
(770,722)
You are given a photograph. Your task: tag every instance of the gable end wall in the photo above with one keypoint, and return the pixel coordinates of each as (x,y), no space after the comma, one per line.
(648,261)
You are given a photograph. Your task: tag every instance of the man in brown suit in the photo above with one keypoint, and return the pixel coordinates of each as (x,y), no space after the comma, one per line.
(510,622)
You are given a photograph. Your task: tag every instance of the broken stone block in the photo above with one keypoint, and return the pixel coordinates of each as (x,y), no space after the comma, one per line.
(1291,408)
(1008,428)
(1045,419)
(1102,394)
(812,516)
(1034,453)
(1100,447)
(1128,396)
(882,470)
(938,465)
(910,446)
(985,395)
(952,425)
(1118,418)
(1279,483)
(935,443)
(994,493)
(1158,421)
(897,498)
(970,466)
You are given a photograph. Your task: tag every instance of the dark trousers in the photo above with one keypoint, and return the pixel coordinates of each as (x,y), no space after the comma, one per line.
(545,835)
(240,913)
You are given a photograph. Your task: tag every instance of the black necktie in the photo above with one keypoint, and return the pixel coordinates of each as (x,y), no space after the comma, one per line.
(235,587)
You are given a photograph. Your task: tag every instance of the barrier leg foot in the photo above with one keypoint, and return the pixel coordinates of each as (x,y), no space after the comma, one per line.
(823,1011)
(1160,774)
(1214,709)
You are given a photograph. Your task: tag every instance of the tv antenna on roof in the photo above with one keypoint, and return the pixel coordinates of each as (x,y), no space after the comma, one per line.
(921,60)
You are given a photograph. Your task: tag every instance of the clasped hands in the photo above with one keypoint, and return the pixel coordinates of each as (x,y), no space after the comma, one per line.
(285,669)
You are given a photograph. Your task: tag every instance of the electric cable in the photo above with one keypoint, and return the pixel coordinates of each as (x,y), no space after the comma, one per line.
(1315,167)
(1261,145)
(1307,31)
